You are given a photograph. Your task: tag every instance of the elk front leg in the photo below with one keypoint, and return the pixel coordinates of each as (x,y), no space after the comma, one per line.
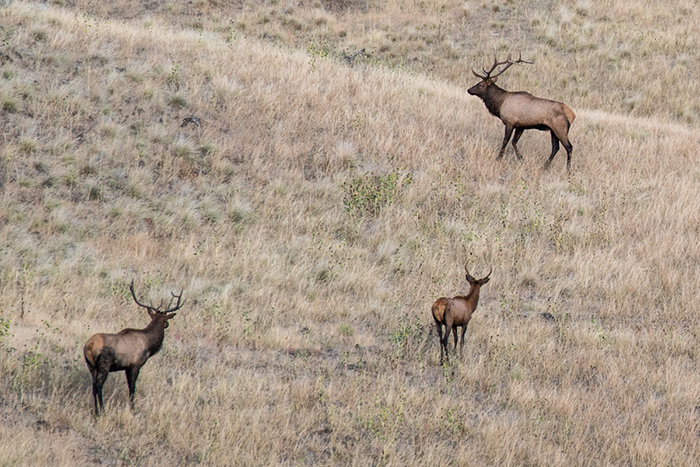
(516,137)
(464,331)
(506,137)
(131,375)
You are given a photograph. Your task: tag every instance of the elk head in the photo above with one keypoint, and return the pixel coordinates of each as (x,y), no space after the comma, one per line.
(473,281)
(487,79)
(157,313)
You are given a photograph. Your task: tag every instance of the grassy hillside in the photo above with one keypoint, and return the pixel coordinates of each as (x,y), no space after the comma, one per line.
(316,208)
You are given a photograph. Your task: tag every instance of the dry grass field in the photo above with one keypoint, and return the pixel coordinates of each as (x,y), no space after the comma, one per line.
(323,198)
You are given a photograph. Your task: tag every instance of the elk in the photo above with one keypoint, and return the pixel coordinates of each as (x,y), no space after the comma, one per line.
(457,311)
(522,111)
(127,350)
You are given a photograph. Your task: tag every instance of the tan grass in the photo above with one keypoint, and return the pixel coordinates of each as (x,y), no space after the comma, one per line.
(319,210)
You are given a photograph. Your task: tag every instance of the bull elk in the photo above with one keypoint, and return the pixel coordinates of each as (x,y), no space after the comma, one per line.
(456,312)
(127,350)
(522,111)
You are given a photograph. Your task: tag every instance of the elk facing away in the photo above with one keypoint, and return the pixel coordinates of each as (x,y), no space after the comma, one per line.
(127,350)
(522,111)
(457,311)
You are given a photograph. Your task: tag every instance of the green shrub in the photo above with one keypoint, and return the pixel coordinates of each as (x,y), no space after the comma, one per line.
(367,194)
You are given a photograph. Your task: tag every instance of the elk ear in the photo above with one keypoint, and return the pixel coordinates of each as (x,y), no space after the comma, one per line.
(494,79)
(170,315)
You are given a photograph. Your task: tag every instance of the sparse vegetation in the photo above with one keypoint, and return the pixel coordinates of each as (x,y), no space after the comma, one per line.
(313,216)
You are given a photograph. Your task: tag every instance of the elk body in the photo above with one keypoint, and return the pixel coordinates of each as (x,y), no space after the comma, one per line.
(457,311)
(127,350)
(520,111)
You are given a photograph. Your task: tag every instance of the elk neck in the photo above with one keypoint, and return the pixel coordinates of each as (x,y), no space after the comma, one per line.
(472,297)
(155,334)
(493,99)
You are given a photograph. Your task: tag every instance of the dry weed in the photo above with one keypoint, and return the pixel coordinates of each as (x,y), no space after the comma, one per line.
(319,207)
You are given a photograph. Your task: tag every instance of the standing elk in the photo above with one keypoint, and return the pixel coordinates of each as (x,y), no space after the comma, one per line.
(457,311)
(522,111)
(127,350)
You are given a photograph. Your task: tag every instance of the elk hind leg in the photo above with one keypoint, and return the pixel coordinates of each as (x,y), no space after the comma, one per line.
(102,365)
(564,138)
(555,149)
(93,375)
(448,329)
(438,325)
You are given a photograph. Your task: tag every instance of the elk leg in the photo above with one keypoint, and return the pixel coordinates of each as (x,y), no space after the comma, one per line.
(567,145)
(439,331)
(448,330)
(454,333)
(93,375)
(506,137)
(99,384)
(96,389)
(555,148)
(131,375)
(464,330)
(103,364)
(563,137)
(516,137)
(94,394)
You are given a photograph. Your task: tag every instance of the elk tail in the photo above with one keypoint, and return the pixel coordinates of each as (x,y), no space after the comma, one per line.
(570,115)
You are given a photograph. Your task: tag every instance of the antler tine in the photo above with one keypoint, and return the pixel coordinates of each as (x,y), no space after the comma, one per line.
(508,62)
(520,59)
(490,271)
(133,294)
(502,70)
(487,74)
(178,305)
(477,74)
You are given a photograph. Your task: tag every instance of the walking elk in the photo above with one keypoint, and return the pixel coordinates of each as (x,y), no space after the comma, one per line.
(457,311)
(522,111)
(127,350)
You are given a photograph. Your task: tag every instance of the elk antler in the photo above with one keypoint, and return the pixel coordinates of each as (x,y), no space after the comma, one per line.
(507,62)
(133,294)
(178,305)
(487,275)
(157,309)
(467,270)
